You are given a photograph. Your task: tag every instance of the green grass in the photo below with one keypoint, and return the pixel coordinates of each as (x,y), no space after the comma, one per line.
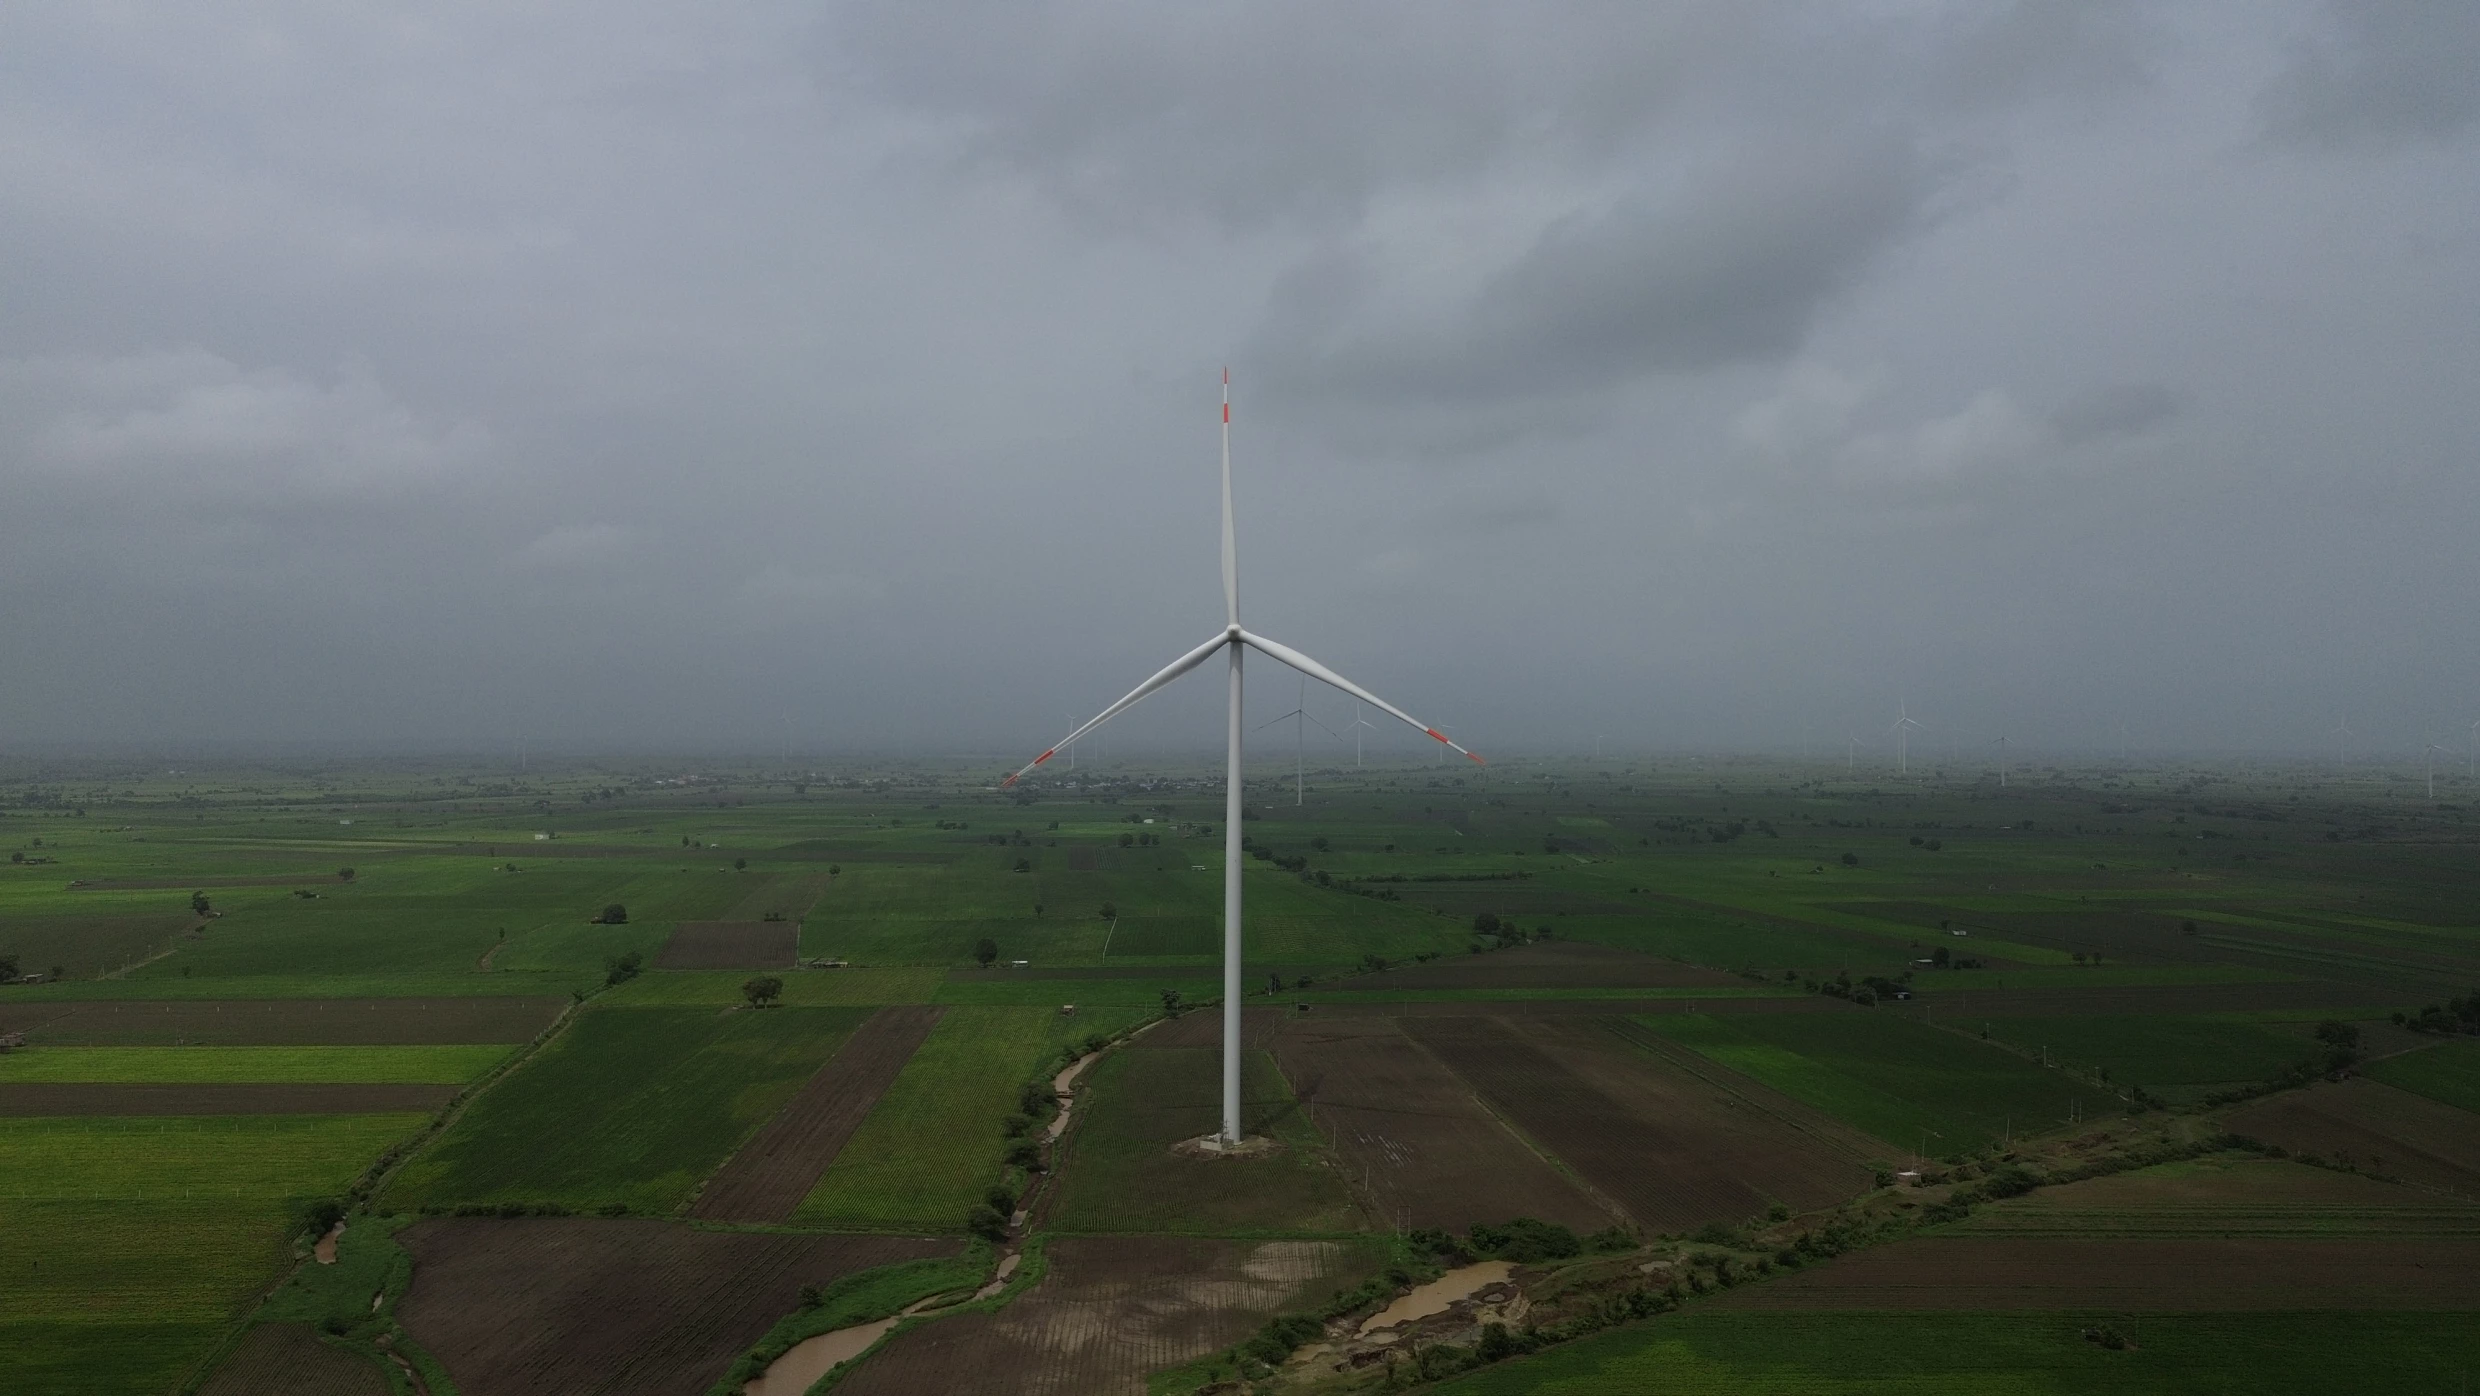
(2158,1053)
(1122,1175)
(449,1065)
(932,1145)
(2449,1072)
(629,1107)
(2037,1354)
(1908,1084)
(1051,993)
(190,1158)
(821,988)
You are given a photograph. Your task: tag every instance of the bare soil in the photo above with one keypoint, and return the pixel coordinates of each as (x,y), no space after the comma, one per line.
(2181,1275)
(287,1359)
(583,1305)
(1412,1136)
(2369,1125)
(121,1098)
(280,1022)
(1674,1147)
(731,945)
(1110,1310)
(770,1175)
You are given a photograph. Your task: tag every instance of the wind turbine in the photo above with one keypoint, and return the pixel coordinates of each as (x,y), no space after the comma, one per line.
(2342,735)
(1851,751)
(2471,745)
(1300,754)
(1902,730)
(1234,641)
(1359,722)
(2000,744)
(2431,754)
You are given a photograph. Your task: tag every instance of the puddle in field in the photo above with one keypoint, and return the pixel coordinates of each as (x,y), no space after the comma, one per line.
(1438,1294)
(325,1251)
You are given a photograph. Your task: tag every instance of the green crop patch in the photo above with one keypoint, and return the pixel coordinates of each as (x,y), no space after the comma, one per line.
(933,1144)
(1123,1175)
(630,1107)
(2175,1057)
(822,988)
(1916,1087)
(2036,1354)
(2448,1072)
(443,1064)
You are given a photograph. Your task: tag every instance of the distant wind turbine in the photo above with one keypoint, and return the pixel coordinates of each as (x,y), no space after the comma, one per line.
(1233,641)
(1358,722)
(2431,754)
(1851,751)
(2342,735)
(1300,754)
(2001,746)
(1902,729)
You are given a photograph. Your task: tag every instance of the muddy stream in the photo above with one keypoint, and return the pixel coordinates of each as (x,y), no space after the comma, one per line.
(811,1358)
(1439,1295)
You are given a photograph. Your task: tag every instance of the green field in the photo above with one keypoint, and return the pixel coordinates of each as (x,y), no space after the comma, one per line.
(443,1063)
(1916,1087)
(1123,1176)
(932,1146)
(1738,1354)
(2449,1072)
(2170,1056)
(630,1107)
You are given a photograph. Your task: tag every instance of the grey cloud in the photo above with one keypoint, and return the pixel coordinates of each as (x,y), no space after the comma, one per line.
(2379,73)
(2121,409)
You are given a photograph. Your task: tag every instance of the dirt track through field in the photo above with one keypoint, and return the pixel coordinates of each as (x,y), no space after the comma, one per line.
(591,1307)
(287,1359)
(731,945)
(2183,1275)
(1672,1147)
(770,1175)
(2370,1125)
(121,1098)
(279,1022)
(1110,1310)
(1413,1137)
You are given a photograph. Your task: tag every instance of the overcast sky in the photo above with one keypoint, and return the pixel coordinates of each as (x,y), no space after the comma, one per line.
(1715,374)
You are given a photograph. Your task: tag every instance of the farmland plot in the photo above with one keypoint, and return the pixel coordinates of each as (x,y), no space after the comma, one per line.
(771,1173)
(1673,1149)
(1412,1136)
(630,1106)
(2449,1073)
(131,1098)
(237,1022)
(583,1306)
(2367,1124)
(730,945)
(2182,1274)
(440,1064)
(287,1359)
(1552,964)
(84,946)
(1109,1310)
(2228,1196)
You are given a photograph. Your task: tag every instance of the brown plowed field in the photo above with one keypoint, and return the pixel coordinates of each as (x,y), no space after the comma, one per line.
(1412,1136)
(121,1098)
(1553,964)
(280,1022)
(287,1359)
(578,1305)
(1674,1148)
(731,945)
(1110,1310)
(2184,1275)
(770,1175)
(2373,1126)
(83,946)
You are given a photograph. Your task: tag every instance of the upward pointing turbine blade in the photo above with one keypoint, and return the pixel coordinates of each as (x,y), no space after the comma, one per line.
(1231,541)
(1177,667)
(1327,676)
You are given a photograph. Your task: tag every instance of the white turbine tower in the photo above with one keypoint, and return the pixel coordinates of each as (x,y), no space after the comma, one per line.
(2431,753)
(1300,753)
(1233,640)
(1902,729)
(2000,744)
(1851,751)
(1359,722)
(2342,735)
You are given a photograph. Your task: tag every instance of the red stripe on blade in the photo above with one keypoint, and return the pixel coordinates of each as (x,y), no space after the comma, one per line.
(1045,756)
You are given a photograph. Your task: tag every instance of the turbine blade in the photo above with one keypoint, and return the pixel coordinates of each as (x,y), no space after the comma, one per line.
(1231,542)
(1176,668)
(1269,722)
(1329,677)
(1329,731)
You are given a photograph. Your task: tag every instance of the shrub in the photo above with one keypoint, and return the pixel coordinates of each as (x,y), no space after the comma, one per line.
(613,915)
(763,990)
(985,950)
(984,1221)
(1525,1240)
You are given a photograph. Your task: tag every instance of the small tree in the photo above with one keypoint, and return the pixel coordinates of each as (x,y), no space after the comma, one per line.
(8,968)
(344,874)
(763,990)
(740,865)
(985,950)
(835,870)
(1110,911)
(613,914)
(1172,1007)
(198,904)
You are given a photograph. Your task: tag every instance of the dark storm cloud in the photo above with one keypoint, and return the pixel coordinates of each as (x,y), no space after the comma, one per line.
(638,374)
